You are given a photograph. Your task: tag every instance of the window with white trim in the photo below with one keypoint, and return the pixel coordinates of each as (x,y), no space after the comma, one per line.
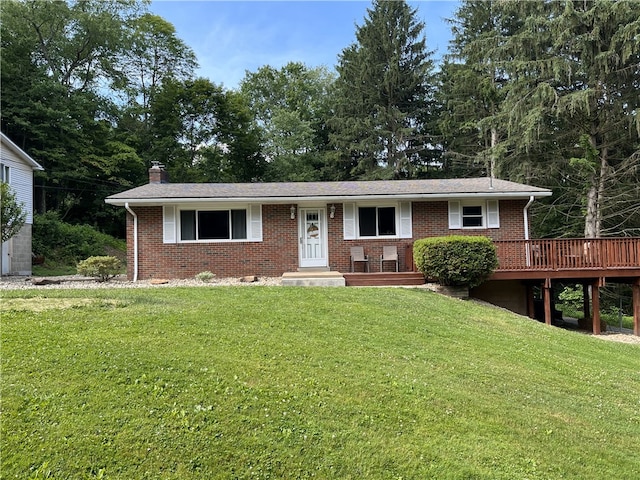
(198,225)
(4,173)
(474,214)
(372,221)
(376,221)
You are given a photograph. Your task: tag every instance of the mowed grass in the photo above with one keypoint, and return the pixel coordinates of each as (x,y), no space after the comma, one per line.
(283,382)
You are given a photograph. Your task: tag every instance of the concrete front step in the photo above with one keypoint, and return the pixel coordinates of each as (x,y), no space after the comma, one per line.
(313,279)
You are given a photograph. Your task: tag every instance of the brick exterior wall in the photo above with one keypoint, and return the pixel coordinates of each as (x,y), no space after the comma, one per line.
(278,251)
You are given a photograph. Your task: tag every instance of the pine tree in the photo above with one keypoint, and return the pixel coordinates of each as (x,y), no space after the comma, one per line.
(567,115)
(383,96)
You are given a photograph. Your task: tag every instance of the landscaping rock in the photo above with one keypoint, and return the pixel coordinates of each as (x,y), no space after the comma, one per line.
(249,279)
(44,281)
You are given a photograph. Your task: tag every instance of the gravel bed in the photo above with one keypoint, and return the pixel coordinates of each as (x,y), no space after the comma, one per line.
(75,281)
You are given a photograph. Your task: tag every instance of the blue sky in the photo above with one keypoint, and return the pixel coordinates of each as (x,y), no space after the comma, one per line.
(231,37)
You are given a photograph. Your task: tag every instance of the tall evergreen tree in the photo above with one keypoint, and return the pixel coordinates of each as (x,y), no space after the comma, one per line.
(470,92)
(383,96)
(567,115)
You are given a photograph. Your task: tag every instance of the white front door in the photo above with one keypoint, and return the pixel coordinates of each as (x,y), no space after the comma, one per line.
(313,237)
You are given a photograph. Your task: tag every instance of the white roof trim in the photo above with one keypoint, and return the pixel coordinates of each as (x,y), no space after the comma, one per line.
(21,153)
(327,198)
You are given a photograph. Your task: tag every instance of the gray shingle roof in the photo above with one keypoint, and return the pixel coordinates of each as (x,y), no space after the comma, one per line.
(157,193)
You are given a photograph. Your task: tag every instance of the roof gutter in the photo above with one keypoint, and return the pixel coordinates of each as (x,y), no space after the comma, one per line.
(135,241)
(326,198)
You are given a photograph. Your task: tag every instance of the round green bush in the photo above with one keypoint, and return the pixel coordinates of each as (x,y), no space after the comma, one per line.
(456,260)
(102,267)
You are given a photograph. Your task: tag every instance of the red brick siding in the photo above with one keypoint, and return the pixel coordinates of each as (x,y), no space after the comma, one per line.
(276,254)
(278,251)
(431,219)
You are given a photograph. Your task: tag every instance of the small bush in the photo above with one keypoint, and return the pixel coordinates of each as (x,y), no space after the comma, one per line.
(456,260)
(104,267)
(571,297)
(206,276)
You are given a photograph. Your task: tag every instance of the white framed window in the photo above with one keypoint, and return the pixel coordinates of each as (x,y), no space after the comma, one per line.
(474,214)
(198,225)
(4,173)
(377,221)
(189,224)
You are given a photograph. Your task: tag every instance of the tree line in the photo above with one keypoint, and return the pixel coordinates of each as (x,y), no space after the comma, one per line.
(544,92)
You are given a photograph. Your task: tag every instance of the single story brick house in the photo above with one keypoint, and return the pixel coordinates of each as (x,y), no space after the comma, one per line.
(268,229)
(16,169)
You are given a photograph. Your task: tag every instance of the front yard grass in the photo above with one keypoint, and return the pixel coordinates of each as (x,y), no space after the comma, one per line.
(275,382)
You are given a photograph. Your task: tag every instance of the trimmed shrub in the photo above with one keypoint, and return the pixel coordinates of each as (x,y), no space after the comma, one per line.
(103,267)
(456,260)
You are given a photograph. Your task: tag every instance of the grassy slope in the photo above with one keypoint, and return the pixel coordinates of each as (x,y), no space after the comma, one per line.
(260,382)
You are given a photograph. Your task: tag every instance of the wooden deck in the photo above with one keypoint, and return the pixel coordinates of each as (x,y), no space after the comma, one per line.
(591,262)
(383,279)
(568,258)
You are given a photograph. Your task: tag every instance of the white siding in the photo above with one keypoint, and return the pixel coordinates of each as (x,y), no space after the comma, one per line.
(20,179)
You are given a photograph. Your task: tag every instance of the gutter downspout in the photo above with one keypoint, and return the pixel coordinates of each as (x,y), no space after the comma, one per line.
(526,228)
(135,241)
(526,217)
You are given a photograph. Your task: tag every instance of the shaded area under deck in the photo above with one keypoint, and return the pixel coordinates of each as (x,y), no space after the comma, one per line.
(590,262)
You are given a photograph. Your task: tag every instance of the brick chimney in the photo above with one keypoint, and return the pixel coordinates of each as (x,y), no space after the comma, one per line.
(157,173)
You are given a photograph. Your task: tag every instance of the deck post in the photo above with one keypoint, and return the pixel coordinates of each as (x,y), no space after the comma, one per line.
(547,301)
(595,301)
(636,307)
(586,310)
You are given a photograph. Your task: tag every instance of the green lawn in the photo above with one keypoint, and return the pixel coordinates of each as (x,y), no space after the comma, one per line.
(283,382)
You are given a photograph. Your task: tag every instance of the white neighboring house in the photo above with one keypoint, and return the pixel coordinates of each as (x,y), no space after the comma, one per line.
(16,169)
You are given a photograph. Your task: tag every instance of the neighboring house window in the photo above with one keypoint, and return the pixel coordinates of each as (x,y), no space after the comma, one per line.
(213,225)
(376,221)
(474,214)
(4,173)
(365,221)
(189,225)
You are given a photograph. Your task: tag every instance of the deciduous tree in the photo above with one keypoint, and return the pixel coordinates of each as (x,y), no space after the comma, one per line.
(291,106)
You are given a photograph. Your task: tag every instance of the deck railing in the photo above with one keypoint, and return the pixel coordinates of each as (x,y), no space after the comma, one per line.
(568,254)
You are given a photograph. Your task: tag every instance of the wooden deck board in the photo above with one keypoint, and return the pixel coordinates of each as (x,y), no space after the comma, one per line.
(384,279)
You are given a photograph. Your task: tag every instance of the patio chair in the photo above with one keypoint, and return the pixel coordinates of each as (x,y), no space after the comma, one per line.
(358,256)
(389,254)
